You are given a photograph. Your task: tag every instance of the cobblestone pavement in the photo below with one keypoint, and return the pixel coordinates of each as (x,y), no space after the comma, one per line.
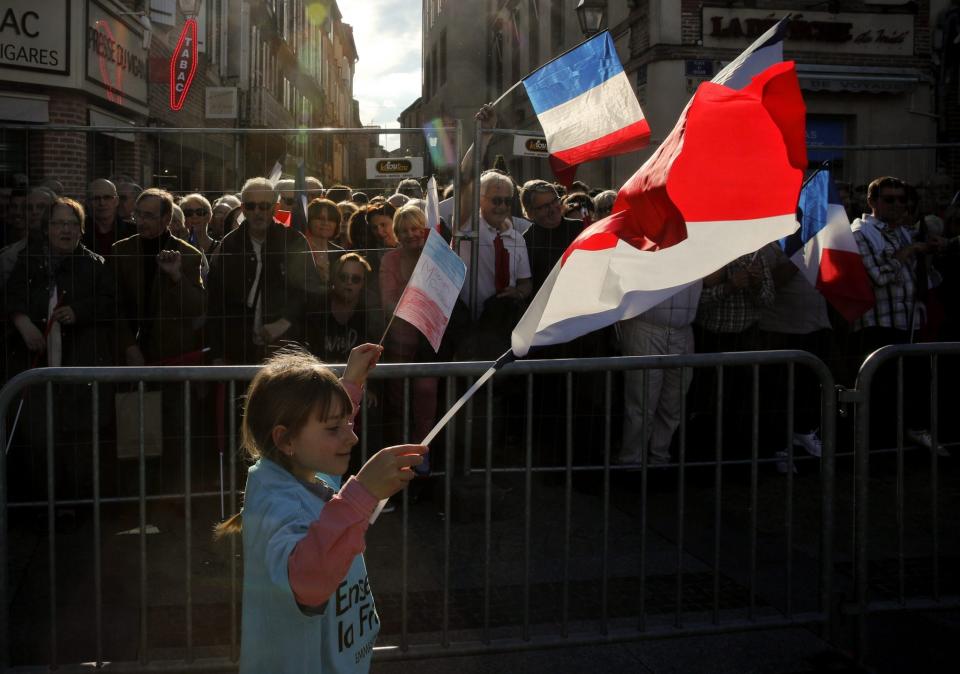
(564,567)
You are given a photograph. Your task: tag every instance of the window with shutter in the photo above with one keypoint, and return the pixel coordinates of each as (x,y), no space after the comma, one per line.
(163,11)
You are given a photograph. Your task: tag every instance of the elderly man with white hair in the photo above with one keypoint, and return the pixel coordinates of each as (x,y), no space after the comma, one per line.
(262,283)
(503,268)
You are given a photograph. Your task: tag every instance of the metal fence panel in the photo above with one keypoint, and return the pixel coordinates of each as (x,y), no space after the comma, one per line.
(902,573)
(520,559)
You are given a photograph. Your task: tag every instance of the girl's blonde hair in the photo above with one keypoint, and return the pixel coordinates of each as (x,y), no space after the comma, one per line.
(291,386)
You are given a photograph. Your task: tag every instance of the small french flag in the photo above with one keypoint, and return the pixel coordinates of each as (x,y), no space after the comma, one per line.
(586,106)
(825,251)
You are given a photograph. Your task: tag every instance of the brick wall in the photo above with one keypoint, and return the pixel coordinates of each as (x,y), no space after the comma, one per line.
(690,22)
(639,28)
(127,160)
(58,154)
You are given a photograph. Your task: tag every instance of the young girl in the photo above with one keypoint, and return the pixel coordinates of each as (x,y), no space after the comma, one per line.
(307,605)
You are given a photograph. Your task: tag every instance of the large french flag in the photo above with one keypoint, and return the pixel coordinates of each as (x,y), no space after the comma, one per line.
(825,252)
(724,183)
(586,106)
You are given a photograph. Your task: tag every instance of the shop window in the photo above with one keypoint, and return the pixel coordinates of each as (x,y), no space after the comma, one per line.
(104,155)
(533,46)
(515,49)
(824,131)
(556,26)
(13,156)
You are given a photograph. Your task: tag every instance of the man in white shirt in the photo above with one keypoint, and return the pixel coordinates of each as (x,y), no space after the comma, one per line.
(503,268)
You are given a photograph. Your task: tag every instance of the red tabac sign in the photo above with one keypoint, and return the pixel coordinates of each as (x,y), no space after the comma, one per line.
(183,64)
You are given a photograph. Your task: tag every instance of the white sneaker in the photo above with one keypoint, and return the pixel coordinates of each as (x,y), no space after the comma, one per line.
(810,442)
(784,464)
(924,439)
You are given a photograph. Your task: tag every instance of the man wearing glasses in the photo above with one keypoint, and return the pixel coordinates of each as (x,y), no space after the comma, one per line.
(503,266)
(890,258)
(105,226)
(551,233)
(159,289)
(262,282)
(889,255)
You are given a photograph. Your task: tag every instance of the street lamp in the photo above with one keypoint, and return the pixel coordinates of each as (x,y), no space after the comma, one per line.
(591,15)
(189,7)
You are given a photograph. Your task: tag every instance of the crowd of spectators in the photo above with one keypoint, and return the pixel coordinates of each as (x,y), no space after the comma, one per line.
(138,276)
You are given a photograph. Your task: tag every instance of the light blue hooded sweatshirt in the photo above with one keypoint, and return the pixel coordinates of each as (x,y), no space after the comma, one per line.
(278,635)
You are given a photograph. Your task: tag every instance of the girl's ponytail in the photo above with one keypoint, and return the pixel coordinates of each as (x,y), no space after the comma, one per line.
(229,527)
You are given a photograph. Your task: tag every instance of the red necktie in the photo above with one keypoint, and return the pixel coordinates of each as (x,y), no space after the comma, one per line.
(501,258)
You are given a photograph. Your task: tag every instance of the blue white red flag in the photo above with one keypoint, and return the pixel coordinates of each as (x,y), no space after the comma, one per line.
(433,288)
(825,252)
(586,106)
(723,184)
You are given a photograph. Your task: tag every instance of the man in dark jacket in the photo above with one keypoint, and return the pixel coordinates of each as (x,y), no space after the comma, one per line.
(262,283)
(160,292)
(104,225)
(551,233)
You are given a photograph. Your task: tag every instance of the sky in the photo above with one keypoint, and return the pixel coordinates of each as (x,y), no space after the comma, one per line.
(387,79)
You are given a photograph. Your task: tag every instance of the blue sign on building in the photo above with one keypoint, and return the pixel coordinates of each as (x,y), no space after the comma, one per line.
(698,68)
(820,132)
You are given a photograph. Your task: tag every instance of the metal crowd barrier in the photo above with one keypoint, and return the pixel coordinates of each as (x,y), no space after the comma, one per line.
(912,588)
(630,599)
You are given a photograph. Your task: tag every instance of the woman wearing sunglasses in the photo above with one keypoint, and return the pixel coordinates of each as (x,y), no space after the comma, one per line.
(347,322)
(197,214)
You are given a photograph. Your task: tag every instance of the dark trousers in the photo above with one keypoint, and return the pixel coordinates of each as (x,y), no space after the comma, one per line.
(737,390)
(883,402)
(806,385)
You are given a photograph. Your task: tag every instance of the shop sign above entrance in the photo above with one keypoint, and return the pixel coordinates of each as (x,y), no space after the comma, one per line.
(116,59)
(183,65)
(530,146)
(397,168)
(34,36)
(842,33)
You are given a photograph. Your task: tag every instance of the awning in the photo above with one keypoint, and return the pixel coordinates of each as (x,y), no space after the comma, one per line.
(858,79)
(101,118)
(24,108)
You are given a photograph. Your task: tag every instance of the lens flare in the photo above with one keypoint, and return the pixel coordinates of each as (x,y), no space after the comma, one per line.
(439,143)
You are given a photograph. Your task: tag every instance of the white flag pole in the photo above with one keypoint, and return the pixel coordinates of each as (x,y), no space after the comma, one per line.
(500,362)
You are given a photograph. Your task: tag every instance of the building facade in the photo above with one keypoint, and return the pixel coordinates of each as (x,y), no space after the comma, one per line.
(237,64)
(872,72)
(865,70)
